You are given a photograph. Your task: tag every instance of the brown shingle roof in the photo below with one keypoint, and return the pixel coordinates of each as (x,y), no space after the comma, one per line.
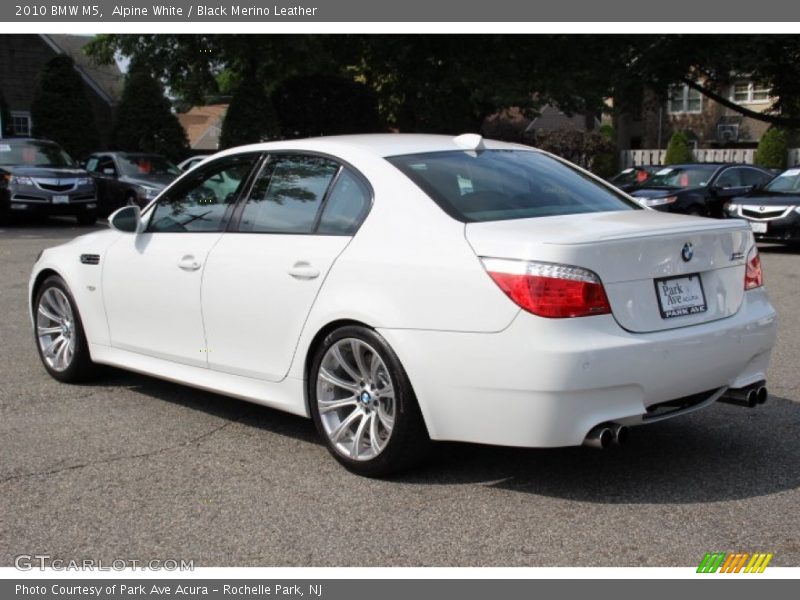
(108,78)
(203,125)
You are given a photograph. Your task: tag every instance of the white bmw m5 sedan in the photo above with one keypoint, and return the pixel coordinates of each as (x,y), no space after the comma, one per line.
(399,289)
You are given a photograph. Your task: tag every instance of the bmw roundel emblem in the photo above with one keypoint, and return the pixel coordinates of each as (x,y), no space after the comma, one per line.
(688,252)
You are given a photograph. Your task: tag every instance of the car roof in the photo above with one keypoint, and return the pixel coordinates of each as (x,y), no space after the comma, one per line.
(378,144)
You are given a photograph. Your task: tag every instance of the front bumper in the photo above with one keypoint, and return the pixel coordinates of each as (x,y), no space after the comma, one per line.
(783,230)
(77,203)
(547,382)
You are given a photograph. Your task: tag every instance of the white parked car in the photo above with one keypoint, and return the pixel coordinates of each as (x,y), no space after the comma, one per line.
(405,288)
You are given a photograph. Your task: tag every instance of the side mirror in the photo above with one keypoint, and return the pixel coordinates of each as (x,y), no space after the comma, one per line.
(127,219)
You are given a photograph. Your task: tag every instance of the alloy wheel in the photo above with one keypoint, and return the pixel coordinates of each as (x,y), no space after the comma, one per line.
(55,329)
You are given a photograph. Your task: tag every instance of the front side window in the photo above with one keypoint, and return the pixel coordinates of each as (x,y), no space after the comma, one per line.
(494,185)
(730,178)
(753,177)
(203,201)
(287,194)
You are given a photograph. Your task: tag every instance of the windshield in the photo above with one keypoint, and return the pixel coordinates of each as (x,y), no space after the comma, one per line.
(136,165)
(788,181)
(34,154)
(682,176)
(494,185)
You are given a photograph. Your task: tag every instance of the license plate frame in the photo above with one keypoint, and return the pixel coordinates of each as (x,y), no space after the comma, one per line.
(758,227)
(61,199)
(694,291)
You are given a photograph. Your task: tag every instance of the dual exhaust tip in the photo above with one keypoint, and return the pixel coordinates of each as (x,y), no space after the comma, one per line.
(605,435)
(749,396)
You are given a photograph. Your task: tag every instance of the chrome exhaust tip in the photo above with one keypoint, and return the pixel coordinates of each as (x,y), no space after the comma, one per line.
(600,437)
(619,433)
(762,394)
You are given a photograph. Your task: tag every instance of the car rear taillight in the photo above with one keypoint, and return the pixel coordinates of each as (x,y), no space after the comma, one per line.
(753,277)
(548,289)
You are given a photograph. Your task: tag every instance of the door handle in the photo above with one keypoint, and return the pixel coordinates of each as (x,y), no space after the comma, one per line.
(189,263)
(303,270)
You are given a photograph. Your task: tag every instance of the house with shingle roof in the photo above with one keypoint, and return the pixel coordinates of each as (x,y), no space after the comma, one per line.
(22,57)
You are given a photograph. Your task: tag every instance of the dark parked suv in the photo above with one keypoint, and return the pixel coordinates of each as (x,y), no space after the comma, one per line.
(699,188)
(38,177)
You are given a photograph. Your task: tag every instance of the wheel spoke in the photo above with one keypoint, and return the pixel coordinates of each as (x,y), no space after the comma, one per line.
(46,312)
(48,330)
(344,426)
(362,429)
(386,420)
(60,356)
(50,349)
(386,392)
(374,440)
(326,406)
(326,375)
(337,354)
(356,346)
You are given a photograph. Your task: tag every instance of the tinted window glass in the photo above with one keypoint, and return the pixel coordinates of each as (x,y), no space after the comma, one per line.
(202,202)
(753,177)
(507,184)
(345,206)
(134,165)
(729,178)
(288,194)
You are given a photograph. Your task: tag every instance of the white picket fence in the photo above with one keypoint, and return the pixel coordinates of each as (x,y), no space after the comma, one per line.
(629,158)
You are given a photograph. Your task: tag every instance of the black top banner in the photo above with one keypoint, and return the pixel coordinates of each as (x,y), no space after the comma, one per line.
(439,11)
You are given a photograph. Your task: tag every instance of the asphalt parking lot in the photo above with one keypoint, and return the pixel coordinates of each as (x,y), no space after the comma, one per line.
(134,468)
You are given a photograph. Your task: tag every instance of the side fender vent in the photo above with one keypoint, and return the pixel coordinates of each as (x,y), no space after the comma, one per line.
(90,259)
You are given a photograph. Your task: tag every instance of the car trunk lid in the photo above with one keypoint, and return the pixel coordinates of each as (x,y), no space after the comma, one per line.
(639,256)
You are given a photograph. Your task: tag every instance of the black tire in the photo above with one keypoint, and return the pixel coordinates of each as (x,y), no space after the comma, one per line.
(86,218)
(408,442)
(80,367)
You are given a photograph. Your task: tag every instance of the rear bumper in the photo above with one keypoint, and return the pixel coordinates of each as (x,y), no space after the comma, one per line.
(546,383)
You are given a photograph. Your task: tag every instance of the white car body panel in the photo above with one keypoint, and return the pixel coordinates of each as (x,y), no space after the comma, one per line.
(483,370)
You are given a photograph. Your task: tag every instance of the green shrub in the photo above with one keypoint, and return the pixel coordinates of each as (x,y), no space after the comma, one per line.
(772,149)
(678,150)
(145,121)
(60,110)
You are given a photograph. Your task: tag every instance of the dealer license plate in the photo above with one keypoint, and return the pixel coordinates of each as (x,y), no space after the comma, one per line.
(758,227)
(680,296)
(60,199)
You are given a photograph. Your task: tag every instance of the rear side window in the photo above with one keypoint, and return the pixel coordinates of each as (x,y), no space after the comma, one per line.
(288,194)
(345,206)
(495,185)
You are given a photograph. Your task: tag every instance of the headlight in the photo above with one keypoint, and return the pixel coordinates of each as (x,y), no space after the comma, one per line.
(731,209)
(149,193)
(19,180)
(659,201)
(84,181)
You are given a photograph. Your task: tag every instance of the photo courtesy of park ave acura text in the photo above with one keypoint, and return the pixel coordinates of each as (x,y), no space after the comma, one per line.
(399,300)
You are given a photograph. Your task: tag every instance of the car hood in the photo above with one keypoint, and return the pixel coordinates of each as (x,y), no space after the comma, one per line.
(50,172)
(767,199)
(154,181)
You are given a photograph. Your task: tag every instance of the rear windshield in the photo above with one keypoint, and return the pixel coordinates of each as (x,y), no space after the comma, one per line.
(496,185)
(33,154)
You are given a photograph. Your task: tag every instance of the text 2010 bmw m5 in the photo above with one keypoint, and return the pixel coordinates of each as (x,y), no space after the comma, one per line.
(400,289)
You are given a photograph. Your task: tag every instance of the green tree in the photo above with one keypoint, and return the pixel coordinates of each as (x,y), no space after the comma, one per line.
(678,150)
(314,105)
(5,117)
(772,149)
(145,121)
(60,110)
(250,118)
